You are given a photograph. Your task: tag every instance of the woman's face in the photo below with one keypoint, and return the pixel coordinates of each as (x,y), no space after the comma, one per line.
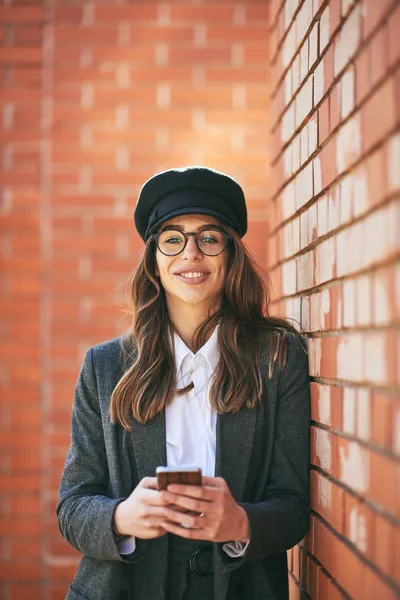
(192,277)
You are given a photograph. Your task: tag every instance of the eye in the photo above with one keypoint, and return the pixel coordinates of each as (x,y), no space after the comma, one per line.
(211,237)
(173,239)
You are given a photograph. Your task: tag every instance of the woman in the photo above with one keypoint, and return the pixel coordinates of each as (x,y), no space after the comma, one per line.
(204,378)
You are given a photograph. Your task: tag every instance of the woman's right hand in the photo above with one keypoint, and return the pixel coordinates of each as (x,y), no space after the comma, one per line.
(141,514)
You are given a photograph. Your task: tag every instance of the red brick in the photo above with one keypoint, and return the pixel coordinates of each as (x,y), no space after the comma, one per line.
(328,163)
(384,546)
(17,591)
(12,14)
(27,416)
(58,591)
(70,34)
(383,481)
(26,527)
(334,107)
(376,177)
(237,33)
(373,13)
(334,15)
(257,12)
(27,549)
(179,56)
(312,583)
(236,75)
(375,587)
(326,546)
(396,95)
(323,120)
(139,56)
(381,419)
(153,35)
(363,75)
(327,499)
(23,462)
(324,585)
(27,35)
(69,14)
(142,11)
(256,55)
(27,78)
(378,56)
(324,450)
(212,13)
(294,591)
(394,28)
(23,505)
(376,123)
(20,571)
(360,525)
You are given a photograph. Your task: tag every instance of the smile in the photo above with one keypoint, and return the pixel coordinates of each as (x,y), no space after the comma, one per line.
(191,275)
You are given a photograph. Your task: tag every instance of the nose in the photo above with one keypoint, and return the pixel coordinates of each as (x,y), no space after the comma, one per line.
(191,251)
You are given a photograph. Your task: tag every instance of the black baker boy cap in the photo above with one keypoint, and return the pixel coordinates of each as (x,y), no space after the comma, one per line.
(190,190)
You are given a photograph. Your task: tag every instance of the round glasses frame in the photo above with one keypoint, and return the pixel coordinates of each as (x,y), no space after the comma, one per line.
(195,234)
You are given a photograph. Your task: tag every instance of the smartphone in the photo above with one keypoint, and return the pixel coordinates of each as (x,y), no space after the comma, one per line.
(185,475)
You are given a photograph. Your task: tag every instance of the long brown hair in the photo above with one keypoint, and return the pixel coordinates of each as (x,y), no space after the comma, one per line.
(245,330)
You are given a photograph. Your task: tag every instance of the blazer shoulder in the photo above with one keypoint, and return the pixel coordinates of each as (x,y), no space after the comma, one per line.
(112,352)
(292,340)
(292,346)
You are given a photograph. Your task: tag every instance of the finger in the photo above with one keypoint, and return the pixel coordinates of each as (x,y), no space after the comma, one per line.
(189,534)
(202,492)
(153,521)
(149,482)
(213,481)
(194,504)
(152,513)
(186,519)
(153,498)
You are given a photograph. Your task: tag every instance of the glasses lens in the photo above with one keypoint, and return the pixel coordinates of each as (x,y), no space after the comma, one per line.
(171,242)
(211,242)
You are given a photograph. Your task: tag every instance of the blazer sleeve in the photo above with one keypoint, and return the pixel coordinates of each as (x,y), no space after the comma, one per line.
(85,511)
(281,519)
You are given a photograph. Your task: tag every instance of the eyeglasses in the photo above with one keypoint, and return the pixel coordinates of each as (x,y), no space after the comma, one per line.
(172,242)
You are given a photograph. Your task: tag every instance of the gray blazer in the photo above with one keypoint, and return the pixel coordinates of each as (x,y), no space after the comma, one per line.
(263,455)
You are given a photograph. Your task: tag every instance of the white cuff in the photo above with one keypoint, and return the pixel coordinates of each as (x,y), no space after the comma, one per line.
(127,546)
(235,549)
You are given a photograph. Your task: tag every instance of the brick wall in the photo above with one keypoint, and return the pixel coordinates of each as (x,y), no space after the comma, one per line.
(334,259)
(95,98)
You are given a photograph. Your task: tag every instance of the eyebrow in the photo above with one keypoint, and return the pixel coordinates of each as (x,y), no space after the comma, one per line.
(180,228)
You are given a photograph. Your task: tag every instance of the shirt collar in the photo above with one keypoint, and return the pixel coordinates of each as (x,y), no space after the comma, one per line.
(210,350)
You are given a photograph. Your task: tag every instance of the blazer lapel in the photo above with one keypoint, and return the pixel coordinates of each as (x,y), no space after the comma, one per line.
(149,442)
(235,437)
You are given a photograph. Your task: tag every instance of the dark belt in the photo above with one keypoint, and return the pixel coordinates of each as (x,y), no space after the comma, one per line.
(197,555)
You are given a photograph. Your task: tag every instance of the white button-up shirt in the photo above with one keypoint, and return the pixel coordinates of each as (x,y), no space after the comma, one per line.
(190,422)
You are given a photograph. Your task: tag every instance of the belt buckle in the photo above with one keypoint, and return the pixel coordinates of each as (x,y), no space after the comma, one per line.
(201,562)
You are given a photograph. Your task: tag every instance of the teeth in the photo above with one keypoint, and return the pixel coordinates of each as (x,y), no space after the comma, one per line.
(191,275)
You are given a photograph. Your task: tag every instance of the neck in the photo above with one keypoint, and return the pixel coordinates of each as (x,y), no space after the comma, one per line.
(186,318)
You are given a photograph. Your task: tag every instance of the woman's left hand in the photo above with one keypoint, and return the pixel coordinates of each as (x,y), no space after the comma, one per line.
(217,518)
